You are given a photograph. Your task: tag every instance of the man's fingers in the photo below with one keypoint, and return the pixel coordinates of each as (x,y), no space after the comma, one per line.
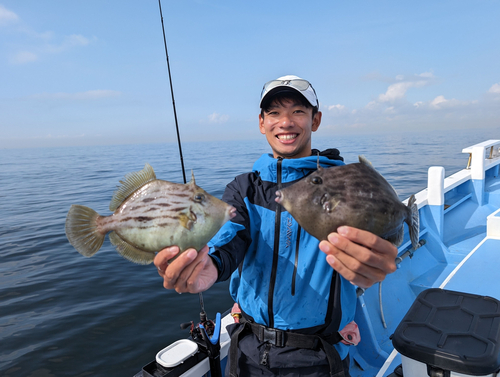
(188,278)
(173,274)
(163,257)
(348,274)
(365,247)
(353,269)
(359,256)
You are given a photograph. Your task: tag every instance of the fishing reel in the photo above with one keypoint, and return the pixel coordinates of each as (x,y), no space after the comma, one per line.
(195,331)
(207,335)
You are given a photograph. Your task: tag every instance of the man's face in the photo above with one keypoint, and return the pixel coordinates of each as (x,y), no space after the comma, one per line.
(288,128)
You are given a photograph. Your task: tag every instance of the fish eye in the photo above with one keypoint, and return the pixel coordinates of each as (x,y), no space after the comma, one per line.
(199,198)
(316,180)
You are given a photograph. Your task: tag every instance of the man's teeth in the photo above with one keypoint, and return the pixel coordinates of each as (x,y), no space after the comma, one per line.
(287,137)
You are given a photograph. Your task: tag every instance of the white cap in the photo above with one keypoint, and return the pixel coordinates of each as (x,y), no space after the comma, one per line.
(285,83)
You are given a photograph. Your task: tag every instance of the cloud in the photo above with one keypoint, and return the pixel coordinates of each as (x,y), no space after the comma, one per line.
(392,110)
(337,108)
(397,91)
(88,95)
(7,16)
(46,48)
(23,57)
(440,102)
(495,88)
(218,118)
(38,44)
(67,43)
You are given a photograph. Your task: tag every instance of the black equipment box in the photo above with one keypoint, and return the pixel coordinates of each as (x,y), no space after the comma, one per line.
(451,331)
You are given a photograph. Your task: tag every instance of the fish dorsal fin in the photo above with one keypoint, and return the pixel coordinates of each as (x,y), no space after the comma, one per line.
(192,182)
(365,161)
(132,182)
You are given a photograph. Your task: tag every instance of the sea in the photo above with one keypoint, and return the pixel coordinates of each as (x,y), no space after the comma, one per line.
(62,314)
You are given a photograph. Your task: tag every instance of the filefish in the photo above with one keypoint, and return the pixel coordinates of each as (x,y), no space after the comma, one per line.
(148,215)
(355,195)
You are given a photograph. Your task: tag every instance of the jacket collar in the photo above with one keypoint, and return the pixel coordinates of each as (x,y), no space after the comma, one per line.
(294,168)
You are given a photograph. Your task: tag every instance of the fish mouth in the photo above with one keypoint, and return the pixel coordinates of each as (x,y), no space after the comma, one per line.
(279,197)
(323,199)
(232,212)
(325,202)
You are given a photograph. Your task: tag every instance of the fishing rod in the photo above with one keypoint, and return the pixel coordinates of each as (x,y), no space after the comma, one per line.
(199,333)
(173,100)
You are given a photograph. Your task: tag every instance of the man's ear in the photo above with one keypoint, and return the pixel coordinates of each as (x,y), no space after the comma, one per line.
(261,124)
(316,121)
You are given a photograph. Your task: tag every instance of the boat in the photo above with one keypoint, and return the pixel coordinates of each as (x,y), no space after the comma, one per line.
(448,281)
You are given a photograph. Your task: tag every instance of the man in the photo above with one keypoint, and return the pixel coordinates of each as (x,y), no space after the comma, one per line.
(295,293)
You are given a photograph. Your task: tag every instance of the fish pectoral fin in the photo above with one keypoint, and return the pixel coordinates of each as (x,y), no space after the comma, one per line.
(132,182)
(187,220)
(129,251)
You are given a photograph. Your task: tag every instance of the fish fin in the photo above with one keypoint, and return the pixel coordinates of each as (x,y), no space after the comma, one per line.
(365,161)
(186,221)
(192,182)
(413,221)
(81,230)
(129,251)
(132,182)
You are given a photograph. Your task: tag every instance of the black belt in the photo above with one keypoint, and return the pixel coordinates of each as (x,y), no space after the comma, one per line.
(280,338)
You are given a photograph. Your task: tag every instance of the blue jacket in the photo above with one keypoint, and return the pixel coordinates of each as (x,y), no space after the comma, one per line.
(280,278)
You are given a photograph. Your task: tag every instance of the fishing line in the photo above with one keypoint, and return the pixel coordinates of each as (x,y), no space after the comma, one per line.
(177,128)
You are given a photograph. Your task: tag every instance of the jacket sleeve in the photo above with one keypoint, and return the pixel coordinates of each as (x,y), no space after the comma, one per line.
(229,245)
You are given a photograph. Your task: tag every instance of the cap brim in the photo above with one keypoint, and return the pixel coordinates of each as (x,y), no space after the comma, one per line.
(275,91)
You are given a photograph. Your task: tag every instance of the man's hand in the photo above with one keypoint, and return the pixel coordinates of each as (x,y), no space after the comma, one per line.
(359,256)
(191,272)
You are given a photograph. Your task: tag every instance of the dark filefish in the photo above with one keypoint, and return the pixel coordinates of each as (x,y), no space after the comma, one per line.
(149,215)
(355,195)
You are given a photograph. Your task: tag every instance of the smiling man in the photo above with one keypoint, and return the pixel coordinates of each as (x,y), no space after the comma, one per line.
(295,292)
(288,117)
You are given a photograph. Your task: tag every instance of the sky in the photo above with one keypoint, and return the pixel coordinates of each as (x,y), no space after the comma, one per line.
(93,72)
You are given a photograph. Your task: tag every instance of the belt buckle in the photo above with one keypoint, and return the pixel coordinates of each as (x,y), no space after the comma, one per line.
(273,336)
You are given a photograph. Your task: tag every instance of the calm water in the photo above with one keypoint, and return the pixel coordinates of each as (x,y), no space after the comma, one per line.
(65,315)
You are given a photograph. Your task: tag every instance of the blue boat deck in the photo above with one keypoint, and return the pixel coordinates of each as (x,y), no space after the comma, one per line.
(461,230)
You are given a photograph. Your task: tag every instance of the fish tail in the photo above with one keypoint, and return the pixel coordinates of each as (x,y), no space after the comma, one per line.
(413,221)
(81,230)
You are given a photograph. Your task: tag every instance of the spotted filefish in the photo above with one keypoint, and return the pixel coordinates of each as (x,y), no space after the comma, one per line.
(355,195)
(148,215)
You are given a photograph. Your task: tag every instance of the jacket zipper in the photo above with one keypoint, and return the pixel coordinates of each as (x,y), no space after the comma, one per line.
(296,260)
(277,226)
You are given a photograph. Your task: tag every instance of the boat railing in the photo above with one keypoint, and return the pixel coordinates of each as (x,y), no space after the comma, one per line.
(482,157)
(490,146)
